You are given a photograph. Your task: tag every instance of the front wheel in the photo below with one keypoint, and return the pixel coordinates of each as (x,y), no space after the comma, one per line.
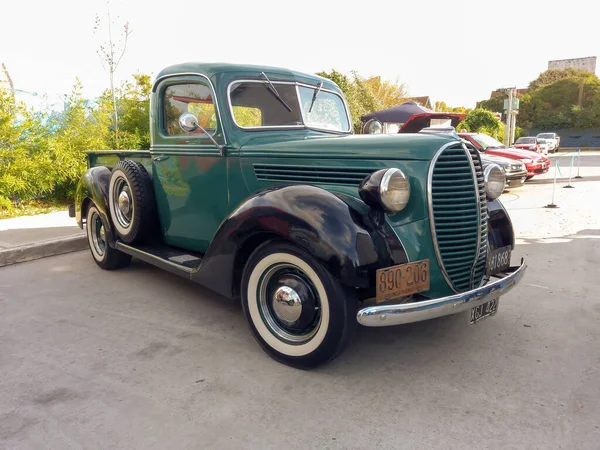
(104,255)
(299,314)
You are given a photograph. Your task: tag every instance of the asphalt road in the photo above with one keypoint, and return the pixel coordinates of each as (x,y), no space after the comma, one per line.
(140,359)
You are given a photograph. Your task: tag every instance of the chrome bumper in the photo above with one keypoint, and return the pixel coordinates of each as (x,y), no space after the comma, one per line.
(389,315)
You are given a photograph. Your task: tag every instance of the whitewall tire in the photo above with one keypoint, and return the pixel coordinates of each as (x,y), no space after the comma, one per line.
(297,311)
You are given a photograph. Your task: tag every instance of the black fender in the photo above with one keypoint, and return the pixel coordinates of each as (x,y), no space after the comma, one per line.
(345,241)
(93,186)
(500,228)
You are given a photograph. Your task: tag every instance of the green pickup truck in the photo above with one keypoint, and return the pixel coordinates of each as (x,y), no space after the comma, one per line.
(256,187)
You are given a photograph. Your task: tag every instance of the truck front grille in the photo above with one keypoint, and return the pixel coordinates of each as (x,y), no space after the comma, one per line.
(458,214)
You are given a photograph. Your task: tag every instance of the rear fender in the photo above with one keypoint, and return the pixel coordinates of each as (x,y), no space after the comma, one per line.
(500,229)
(93,187)
(314,219)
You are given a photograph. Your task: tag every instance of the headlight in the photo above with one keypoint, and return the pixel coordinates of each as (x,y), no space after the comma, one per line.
(494,181)
(372,126)
(387,188)
(526,160)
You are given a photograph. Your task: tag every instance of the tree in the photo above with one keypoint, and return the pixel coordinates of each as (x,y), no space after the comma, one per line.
(111,53)
(81,127)
(481,121)
(365,96)
(26,166)
(443,107)
(553,75)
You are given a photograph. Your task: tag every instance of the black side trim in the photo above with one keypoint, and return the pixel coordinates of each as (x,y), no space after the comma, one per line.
(310,217)
(500,229)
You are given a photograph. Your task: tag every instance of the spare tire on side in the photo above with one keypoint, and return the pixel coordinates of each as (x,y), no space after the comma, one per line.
(131,202)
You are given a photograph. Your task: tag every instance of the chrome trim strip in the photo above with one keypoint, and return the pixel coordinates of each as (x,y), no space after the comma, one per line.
(389,315)
(214,95)
(430,208)
(297,84)
(478,200)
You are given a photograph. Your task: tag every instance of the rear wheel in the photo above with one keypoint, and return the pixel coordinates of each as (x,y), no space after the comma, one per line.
(299,314)
(104,255)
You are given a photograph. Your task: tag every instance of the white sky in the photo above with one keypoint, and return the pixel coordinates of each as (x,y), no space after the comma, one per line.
(457,52)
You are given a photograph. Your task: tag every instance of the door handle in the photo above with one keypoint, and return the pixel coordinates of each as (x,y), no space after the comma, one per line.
(160,158)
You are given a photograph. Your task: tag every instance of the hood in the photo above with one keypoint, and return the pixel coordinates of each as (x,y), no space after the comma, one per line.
(365,146)
(513,153)
(500,160)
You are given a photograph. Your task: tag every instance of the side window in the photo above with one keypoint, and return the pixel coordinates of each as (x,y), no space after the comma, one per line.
(195,98)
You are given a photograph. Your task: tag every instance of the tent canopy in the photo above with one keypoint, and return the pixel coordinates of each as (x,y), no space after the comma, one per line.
(397,114)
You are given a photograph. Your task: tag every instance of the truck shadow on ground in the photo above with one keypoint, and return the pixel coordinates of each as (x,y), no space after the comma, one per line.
(413,347)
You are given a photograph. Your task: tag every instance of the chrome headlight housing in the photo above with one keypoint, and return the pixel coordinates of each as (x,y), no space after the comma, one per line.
(388,189)
(495,180)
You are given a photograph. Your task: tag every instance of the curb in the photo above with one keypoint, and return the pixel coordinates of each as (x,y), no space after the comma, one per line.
(43,249)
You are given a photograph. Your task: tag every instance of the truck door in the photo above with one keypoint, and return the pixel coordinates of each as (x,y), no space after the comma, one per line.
(189,175)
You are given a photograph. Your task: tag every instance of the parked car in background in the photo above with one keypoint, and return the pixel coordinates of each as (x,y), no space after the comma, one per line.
(528,143)
(543,146)
(515,171)
(553,140)
(535,163)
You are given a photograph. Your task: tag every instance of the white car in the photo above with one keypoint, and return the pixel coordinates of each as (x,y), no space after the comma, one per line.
(544,146)
(553,140)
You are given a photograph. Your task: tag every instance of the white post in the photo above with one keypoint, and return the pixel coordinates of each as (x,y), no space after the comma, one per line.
(570,173)
(552,205)
(578,162)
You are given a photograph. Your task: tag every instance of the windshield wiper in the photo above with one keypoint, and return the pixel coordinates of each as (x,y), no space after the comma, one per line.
(275,93)
(314,97)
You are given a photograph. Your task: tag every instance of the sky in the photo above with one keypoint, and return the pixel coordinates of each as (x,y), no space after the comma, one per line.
(457,52)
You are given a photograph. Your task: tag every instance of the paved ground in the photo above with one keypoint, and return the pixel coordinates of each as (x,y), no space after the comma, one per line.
(142,359)
(29,229)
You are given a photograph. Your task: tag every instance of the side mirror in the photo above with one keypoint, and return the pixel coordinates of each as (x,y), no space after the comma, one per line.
(188,122)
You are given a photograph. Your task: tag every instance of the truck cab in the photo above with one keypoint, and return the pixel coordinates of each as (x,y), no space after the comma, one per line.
(256,187)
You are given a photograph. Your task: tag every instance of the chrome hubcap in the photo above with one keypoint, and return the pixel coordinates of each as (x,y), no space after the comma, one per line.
(123,206)
(97,234)
(287,305)
(124,202)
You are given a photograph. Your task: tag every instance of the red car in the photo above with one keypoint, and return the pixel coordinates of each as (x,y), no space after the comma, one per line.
(535,163)
(527,143)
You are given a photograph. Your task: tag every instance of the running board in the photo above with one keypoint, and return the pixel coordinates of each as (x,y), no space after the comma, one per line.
(177,261)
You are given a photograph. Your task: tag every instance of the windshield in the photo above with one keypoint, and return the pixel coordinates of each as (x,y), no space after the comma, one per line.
(487,141)
(254,104)
(525,140)
(546,135)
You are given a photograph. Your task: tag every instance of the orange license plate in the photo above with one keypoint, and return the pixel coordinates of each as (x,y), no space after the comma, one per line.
(402,280)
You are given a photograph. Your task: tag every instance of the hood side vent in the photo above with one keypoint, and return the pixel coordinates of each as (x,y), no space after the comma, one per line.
(311,174)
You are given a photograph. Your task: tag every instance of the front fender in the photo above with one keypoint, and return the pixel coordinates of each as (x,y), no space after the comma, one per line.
(93,186)
(316,220)
(500,229)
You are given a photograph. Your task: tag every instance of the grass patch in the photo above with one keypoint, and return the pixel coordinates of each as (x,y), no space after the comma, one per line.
(33,208)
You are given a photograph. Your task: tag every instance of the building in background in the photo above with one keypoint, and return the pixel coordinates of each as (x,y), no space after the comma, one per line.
(588,64)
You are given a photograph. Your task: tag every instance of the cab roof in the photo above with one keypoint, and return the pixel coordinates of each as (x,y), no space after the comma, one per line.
(212,69)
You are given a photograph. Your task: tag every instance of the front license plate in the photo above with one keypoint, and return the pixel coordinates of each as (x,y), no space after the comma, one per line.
(543,165)
(402,280)
(498,260)
(484,310)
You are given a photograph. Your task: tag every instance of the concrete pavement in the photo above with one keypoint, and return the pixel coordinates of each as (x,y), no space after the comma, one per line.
(33,237)
(139,358)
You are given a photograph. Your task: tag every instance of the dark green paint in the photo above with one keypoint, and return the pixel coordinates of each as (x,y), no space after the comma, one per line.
(196,188)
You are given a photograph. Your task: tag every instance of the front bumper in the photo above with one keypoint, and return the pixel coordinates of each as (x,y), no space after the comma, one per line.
(389,315)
